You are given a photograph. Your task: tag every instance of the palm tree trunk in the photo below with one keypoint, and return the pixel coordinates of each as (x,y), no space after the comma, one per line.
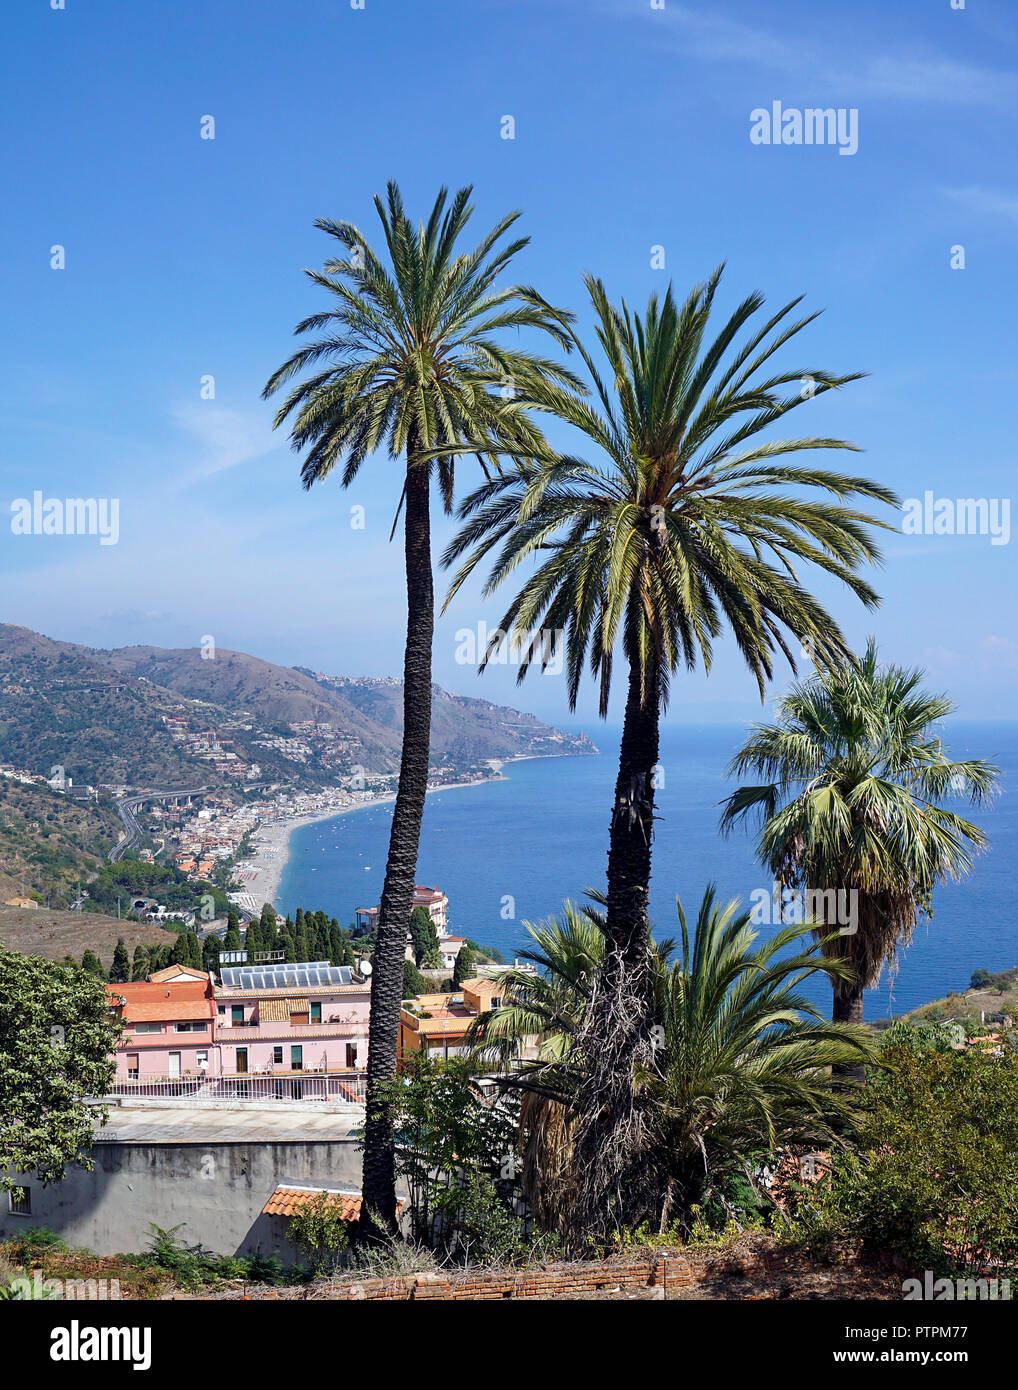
(632,826)
(612,1184)
(847,1003)
(379,1178)
(847,1008)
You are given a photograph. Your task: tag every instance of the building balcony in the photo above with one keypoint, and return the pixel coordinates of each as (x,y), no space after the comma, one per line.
(338,1086)
(272,1028)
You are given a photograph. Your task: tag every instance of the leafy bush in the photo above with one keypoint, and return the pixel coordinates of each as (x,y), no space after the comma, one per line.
(936,1169)
(319,1231)
(488,1229)
(456,1154)
(35,1238)
(194,1267)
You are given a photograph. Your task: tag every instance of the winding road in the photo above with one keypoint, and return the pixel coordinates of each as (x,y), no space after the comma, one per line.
(132,829)
(131,826)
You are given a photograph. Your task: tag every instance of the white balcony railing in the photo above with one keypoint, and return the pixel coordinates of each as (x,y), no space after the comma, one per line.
(282,1084)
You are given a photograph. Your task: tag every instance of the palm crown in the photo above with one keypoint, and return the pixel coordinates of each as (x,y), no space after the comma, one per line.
(686,522)
(411,355)
(856,772)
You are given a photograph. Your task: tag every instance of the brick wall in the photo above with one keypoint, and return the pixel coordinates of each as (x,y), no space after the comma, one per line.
(672,1269)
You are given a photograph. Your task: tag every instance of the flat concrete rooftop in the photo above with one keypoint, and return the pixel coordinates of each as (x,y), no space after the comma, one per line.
(156,1124)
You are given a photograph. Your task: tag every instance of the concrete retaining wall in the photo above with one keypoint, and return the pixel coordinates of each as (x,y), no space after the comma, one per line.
(214,1191)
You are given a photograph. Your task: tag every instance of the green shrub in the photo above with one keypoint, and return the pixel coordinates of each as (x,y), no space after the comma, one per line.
(935,1173)
(319,1231)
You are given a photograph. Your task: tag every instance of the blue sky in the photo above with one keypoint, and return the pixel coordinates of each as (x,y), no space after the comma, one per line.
(184,257)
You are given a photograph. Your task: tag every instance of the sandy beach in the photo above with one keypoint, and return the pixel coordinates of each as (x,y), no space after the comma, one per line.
(262,873)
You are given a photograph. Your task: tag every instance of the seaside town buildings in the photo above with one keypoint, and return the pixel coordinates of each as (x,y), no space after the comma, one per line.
(168,1021)
(276,1021)
(295,1018)
(437,1024)
(234,1103)
(436,904)
(285,1022)
(433,900)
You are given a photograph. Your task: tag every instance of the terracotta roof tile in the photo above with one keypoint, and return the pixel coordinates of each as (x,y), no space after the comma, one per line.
(288,1201)
(175,999)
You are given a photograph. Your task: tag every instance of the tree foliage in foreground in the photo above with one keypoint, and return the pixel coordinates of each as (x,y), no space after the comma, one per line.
(690,520)
(457,1160)
(57,1039)
(410,358)
(858,798)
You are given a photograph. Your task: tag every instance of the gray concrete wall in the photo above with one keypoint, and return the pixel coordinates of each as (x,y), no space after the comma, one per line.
(214,1191)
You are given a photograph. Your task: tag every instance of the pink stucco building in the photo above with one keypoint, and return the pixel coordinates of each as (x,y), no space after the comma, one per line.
(262,1020)
(169,1024)
(310,1017)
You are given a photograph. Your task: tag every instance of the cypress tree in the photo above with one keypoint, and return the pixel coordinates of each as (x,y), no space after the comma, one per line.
(120,970)
(321,942)
(91,962)
(231,942)
(464,967)
(210,954)
(423,935)
(414,982)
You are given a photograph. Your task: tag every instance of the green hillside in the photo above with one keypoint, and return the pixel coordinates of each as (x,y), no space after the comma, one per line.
(49,843)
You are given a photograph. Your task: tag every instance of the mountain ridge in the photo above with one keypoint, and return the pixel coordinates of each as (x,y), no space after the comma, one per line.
(142,714)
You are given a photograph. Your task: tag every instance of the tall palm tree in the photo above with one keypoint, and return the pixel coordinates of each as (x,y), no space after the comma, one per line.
(409,357)
(741,1069)
(688,523)
(856,772)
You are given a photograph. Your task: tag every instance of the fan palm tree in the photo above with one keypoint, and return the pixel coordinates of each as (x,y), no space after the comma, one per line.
(740,1071)
(409,358)
(687,524)
(856,772)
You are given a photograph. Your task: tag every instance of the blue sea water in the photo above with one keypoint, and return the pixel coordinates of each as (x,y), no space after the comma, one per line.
(510,851)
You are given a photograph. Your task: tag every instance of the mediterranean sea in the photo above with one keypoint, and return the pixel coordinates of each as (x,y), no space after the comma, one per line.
(511,850)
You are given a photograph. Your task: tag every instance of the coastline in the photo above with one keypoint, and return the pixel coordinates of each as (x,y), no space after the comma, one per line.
(262,873)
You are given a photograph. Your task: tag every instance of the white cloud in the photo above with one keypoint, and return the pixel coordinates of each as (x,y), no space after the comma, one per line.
(221,438)
(986,202)
(998,654)
(914,77)
(935,80)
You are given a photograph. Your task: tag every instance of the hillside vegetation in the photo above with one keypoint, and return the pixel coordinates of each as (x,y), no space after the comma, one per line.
(54,935)
(139,715)
(50,843)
